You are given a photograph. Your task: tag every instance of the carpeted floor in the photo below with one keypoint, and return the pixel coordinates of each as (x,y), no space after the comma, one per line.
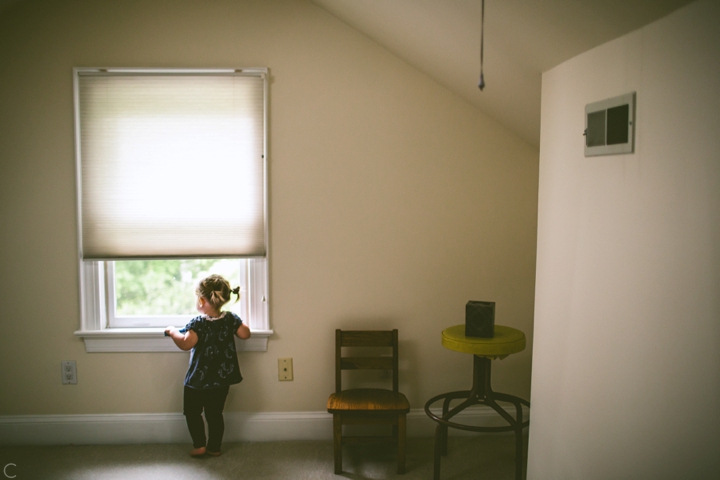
(479,457)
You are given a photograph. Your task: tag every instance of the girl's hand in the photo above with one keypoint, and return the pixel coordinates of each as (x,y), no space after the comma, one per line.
(243,332)
(184,341)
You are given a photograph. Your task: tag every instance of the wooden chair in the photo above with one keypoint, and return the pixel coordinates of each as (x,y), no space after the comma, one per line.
(367,405)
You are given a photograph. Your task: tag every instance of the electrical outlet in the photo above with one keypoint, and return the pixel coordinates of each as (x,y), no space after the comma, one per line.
(69,373)
(285,369)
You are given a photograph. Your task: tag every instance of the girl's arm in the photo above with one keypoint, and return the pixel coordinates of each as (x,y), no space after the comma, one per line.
(243,332)
(184,341)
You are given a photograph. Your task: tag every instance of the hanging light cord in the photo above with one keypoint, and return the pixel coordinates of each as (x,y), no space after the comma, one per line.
(481,83)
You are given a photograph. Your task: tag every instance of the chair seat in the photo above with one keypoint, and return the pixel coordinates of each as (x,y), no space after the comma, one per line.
(367,399)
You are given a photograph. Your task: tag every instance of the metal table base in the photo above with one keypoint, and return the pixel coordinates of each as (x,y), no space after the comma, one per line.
(481,394)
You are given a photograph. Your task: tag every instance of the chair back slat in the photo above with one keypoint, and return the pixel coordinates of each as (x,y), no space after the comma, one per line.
(355,338)
(367,363)
(366,338)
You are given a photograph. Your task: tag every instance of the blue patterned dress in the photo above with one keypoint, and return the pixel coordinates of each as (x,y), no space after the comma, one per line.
(213,360)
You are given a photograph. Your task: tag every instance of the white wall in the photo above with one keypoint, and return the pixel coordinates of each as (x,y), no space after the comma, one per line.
(393,202)
(626,363)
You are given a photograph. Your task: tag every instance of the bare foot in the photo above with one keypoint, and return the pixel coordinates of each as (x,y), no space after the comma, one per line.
(214,454)
(198,452)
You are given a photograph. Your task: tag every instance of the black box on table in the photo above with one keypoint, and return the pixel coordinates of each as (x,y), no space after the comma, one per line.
(480,319)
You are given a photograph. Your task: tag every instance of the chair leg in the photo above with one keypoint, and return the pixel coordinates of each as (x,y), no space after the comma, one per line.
(337,442)
(401,428)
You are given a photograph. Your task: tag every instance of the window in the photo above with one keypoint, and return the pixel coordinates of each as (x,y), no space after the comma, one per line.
(172,186)
(157,293)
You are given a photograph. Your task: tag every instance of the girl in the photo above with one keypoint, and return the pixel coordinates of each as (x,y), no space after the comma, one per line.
(213,362)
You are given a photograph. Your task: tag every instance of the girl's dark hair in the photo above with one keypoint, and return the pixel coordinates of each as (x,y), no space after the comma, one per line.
(216,290)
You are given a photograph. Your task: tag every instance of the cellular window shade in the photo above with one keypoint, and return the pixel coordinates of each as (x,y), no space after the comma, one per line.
(171,165)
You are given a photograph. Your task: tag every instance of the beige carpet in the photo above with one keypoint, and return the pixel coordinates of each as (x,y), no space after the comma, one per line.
(479,457)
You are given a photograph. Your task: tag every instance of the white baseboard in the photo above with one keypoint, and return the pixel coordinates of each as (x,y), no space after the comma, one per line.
(171,428)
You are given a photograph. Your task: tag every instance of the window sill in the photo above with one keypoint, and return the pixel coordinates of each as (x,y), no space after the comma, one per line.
(154,340)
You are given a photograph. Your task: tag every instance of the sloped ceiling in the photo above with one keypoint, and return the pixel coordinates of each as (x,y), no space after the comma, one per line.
(523,38)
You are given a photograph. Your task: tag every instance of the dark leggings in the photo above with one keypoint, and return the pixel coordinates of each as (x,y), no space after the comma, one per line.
(211,400)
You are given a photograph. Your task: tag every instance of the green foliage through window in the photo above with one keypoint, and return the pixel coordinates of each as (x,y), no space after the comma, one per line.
(167,287)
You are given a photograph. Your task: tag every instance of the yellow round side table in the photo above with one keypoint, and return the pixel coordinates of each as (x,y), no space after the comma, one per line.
(506,341)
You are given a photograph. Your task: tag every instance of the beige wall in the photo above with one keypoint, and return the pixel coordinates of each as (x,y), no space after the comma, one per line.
(626,364)
(393,203)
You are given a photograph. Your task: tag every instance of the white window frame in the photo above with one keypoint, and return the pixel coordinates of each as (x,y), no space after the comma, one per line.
(95,283)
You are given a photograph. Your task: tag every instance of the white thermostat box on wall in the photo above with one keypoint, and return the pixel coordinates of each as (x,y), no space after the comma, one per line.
(610,126)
